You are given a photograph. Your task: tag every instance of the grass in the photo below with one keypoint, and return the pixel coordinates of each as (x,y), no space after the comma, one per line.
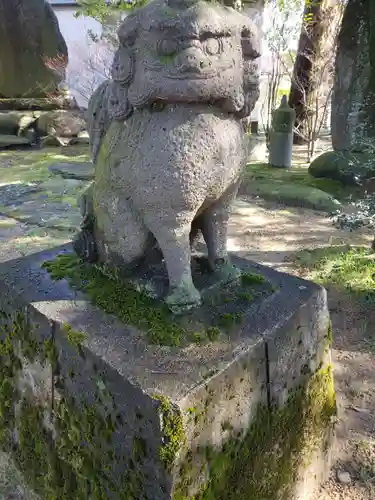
(348,273)
(295,187)
(351,269)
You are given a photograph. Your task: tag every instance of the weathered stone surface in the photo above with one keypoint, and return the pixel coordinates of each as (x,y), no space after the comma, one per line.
(347,167)
(77,170)
(13,122)
(164,422)
(33,52)
(353,100)
(54,141)
(174,166)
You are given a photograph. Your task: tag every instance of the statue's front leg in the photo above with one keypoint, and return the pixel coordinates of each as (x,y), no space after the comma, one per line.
(173,236)
(214,229)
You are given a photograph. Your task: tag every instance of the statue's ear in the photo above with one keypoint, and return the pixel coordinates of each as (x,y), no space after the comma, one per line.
(250,40)
(123,65)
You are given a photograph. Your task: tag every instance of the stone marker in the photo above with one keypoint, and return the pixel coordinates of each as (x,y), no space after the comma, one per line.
(102,406)
(281,135)
(33,53)
(167,142)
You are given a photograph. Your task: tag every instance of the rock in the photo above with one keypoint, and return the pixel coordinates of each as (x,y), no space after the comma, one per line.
(353,100)
(291,194)
(348,168)
(15,194)
(53,141)
(14,122)
(81,139)
(38,104)
(344,477)
(61,123)
(159,139)
(33,52)
(77,170)
(13,140)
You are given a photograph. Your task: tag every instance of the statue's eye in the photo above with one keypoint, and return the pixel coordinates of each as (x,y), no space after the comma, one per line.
(168,47)
(212,46)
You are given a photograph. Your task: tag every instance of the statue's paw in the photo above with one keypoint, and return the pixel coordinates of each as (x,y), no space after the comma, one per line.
(183,298)
(225,272)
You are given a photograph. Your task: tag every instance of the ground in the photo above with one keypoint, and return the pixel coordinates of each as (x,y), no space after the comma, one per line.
(38,209)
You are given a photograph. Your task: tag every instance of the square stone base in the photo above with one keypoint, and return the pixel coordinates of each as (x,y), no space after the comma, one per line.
(91,409)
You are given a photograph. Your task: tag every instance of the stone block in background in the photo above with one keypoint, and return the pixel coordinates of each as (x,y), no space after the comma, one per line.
(93,409)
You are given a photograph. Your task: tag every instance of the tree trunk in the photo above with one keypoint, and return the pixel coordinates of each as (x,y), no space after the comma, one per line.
(313,62)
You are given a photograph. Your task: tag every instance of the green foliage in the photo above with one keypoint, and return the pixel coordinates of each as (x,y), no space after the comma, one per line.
(351,269)
(101,9)
(298,176)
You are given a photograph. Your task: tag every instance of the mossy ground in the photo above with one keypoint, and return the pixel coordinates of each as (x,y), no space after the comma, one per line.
(349,268)
(32,166)
(266,464)
(295,187)
(117,296)
(348,273)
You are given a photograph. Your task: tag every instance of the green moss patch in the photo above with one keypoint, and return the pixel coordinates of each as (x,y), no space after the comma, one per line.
(347,268)
(173,430)
(295,187)
(65,448)
(265,465)
(219,313)
(32,166)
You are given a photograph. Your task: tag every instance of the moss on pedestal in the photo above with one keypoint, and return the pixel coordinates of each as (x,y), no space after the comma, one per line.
(173,430)
(266,463)
(62,446)
(119,297)
(66,451)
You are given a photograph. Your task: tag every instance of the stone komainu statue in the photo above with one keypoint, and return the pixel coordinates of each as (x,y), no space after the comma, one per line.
(167,139)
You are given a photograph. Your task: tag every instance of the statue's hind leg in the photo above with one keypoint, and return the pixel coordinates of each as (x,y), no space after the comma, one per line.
(214,226)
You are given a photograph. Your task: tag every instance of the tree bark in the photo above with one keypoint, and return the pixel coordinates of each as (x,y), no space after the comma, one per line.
(315,49)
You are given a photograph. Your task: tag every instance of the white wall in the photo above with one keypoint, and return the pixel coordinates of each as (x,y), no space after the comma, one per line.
(89,62)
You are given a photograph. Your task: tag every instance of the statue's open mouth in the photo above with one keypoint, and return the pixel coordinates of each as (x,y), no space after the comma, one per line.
(196,73)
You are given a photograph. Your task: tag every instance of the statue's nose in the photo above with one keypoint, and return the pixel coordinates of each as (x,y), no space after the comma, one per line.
(192,59)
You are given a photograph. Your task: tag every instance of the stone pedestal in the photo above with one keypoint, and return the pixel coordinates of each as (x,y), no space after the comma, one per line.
(92,407)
